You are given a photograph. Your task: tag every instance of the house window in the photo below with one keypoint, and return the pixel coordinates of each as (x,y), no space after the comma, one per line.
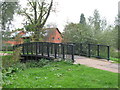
(53,38)
(58,38)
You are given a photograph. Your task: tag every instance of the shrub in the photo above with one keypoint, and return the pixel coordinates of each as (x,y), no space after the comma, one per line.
(113,53)
(7,48)
(16,54)
(10,71)
(7,61)
(40,63)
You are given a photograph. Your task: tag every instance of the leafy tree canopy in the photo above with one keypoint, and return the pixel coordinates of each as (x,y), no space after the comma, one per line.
(8,9)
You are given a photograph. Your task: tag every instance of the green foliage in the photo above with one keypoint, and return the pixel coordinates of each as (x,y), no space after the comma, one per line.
(7,11)
(7,47)
(115,59)
(62,75)
(11,70)
(26,40)
(6,37)
(78,33)
(40,63)
(94,31)
(7,61)
(10,67)
(36,14)
(30,27)
(16,54)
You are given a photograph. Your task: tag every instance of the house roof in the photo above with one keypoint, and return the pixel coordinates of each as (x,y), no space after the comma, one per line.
(48,31)
(23,33)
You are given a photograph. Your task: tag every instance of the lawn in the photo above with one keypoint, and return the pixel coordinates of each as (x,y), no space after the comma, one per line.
(117,60)
(62,75)
(9,52)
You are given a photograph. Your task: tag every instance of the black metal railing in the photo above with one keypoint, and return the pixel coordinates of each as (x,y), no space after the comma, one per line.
(46,49)
(92,50)
(65,50)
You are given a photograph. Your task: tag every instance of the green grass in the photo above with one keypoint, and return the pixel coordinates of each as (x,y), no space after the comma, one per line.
(115,59)
(9,52)
(62,75)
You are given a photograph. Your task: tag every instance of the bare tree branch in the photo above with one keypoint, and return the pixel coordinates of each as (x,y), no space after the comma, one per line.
(41,12)
(35,12)
(30,3)
(48,13)
(28,17)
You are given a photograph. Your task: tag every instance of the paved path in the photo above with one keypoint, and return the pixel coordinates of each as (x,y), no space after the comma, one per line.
(3,54)
(97,63)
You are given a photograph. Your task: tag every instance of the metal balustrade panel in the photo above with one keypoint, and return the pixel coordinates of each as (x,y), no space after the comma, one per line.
(64,50)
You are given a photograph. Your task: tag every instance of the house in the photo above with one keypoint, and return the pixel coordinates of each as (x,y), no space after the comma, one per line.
(13,41)
(50,35)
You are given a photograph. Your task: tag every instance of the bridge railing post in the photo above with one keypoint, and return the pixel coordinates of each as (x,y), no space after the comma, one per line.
(39,47)
(63,51)
(42,48)
(73,51)
(89,49)
(80,52)
(36,44)
(108,57)
(98,50)
(31,48)
(23,49)
(55,50)
(48,49)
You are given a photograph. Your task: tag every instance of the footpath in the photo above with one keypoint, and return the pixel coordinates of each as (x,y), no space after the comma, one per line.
(98,63)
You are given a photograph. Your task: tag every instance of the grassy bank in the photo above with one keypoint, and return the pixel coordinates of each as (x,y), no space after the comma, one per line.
(62,75)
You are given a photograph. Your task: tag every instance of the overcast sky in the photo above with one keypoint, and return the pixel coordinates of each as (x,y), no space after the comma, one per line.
(70,11)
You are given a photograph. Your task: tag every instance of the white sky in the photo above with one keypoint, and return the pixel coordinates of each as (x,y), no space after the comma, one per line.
(70,11)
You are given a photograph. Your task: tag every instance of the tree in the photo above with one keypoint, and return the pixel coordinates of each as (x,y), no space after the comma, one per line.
(37,14)
(96,22)
(78,33)
(8,9)
(82,19)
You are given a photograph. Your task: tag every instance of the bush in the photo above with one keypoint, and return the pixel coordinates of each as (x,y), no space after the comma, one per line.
(7,48)
(40,63)
(10,71)
(7,61)
(113,53)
